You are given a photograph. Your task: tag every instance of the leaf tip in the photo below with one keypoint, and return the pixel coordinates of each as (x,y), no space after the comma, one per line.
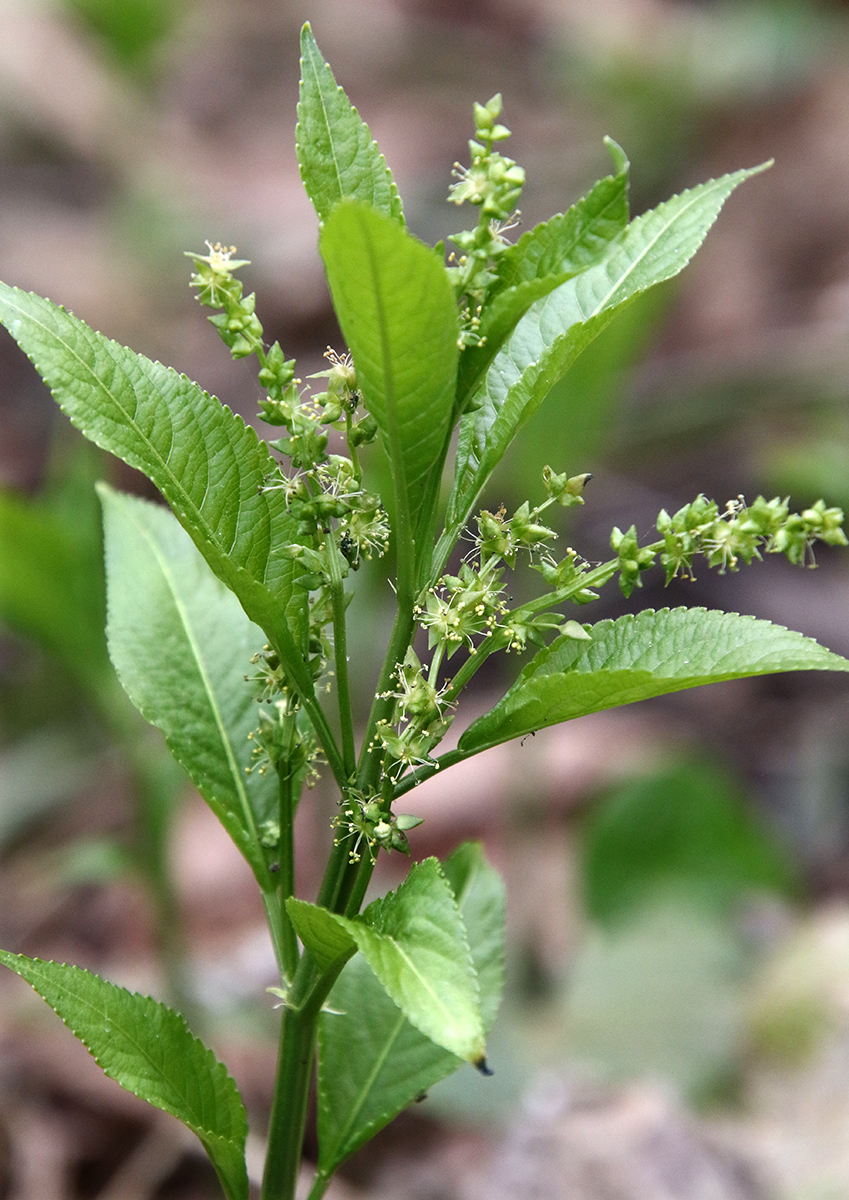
(480,1064)
(621,161)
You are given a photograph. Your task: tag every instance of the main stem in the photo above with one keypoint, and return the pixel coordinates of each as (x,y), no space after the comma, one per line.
(342,882)
(292,1085)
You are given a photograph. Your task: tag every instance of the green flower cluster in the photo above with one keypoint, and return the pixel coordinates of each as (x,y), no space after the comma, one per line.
(368,821)
(419,719)
(468,609)
(493,183)
(338,521)
(727,539)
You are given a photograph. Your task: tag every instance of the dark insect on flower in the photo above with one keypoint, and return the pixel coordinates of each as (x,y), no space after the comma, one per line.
(350,549)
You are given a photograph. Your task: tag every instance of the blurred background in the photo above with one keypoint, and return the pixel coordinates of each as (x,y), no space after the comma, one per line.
(676,1023)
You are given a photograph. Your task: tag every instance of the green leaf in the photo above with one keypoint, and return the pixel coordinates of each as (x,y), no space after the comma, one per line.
(149,1050)
(397,312)
(547,340)
(321,933)
(542,259)
(207,463)
(416,944)
(338,157)
(372,1062)
(479,892)
(181,645)
(638,656)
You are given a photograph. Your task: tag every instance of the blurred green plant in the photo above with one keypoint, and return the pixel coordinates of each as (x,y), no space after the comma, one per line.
(53,591)
(685,831)
(131,29)
(668,865)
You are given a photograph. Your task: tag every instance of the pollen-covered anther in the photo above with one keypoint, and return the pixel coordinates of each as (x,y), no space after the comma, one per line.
(219,256)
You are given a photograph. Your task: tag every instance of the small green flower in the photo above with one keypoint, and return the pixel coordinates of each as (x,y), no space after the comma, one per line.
(213,275)
(463,607)
(632,560)
(565,489)
(526,529)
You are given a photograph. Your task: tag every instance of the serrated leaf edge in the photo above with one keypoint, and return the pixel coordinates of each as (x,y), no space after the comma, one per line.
(463,938)
(217,1065)
(532,669)
(381,158)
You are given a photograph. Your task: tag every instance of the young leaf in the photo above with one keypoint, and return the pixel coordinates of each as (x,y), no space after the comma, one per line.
(415,941)
(321,933)
(372,1061)
(638,656)
(416,944)
(480,895)
(338,157)
(149,1050)
(398,316)
(653,248)
(181,645)
(542,259)
(207,463)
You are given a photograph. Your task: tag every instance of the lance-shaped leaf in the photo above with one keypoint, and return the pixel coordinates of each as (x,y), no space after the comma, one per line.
(542,259)
(638,656)
(149,1050)
(415,942)
(653,248)
(338,157)
(205,461)
(181,645)
(398,315)
(372,1061)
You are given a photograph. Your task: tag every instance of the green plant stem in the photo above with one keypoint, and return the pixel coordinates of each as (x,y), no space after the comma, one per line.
(473,664)
(283,935)
(294,1075)
(598,577)
(322,729)
(358,890)
(340,653)
(291,1096)
(341,877)
(411,780)
(402,634)
(447,541)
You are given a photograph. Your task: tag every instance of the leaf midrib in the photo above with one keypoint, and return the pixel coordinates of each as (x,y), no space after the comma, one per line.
(398,947)
(325,114)
(206,683)
(676,216)
(357,1107)
(187,502)
(104,1014)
